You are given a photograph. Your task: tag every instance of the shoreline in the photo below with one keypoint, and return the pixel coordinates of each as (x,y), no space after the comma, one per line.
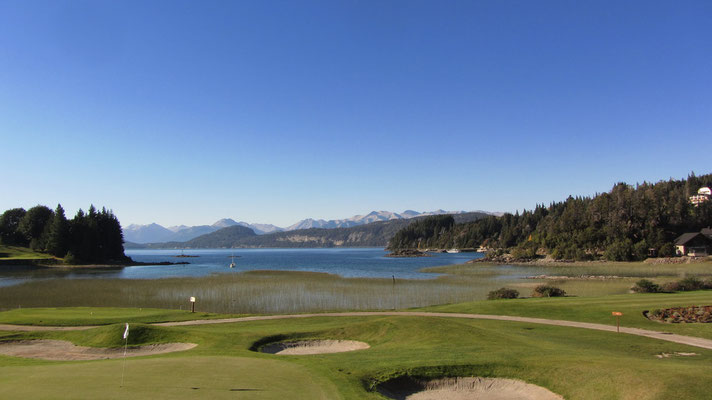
(547,262)
(57,264)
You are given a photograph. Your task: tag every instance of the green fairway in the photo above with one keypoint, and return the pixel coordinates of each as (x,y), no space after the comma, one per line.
(576,363)
(167,378)
(596,309)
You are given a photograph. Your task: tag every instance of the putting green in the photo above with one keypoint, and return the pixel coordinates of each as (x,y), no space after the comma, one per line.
(166,378)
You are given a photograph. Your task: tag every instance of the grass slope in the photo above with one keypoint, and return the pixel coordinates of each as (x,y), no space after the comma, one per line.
(596,309)
(21,253)
(577,363)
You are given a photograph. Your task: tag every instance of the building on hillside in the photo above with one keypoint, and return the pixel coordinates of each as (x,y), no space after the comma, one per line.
(703,194)
(694,244)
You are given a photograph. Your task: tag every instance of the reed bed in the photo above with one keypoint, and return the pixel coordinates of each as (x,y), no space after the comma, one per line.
(254,292)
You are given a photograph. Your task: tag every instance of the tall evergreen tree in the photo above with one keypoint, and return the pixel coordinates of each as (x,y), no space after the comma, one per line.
(58,239)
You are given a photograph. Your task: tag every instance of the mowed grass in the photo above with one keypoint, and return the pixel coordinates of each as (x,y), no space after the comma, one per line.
(595,309)
(576,363)
(96,316)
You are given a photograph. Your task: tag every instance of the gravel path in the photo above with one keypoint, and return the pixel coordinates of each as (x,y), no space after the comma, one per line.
(669,337)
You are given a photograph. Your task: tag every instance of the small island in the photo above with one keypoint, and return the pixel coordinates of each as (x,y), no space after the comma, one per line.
(407,253)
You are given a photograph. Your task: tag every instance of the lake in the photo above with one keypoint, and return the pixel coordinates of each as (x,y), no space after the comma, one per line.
(346,262)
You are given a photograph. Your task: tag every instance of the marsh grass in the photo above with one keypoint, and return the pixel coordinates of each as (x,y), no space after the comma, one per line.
(265,292)
(622,269)
(253,292)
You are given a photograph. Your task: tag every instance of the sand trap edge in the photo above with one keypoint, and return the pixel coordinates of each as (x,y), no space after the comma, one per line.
(306,347)
(62,350)
(462,388)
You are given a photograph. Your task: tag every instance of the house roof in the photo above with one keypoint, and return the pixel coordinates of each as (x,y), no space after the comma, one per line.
(686,237)
(707,232)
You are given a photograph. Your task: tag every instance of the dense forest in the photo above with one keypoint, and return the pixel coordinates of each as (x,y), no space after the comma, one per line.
(623,225)
(91,237)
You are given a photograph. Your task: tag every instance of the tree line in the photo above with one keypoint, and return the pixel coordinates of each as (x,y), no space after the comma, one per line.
(91,237)
(620,225)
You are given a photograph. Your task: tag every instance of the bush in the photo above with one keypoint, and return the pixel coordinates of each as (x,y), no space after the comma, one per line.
(621,250)
(667,250)
(503,293)
(645,286)
(70,259)
(548,291)
(670,287)
(690,284)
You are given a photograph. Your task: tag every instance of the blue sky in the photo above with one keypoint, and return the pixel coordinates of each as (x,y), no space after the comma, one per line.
(184,112)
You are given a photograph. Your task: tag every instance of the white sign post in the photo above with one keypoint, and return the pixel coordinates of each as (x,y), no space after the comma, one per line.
(192,302)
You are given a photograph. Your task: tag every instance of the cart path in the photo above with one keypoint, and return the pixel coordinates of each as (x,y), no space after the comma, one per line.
(669,337)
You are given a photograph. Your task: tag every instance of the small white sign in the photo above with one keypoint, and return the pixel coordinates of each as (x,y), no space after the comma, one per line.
(192,299)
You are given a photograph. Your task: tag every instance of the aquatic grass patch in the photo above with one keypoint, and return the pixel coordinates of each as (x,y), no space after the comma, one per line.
(621,269)
(254,292)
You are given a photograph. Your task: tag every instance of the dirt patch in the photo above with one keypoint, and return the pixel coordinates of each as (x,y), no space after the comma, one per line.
(304,347)
(469,388)
(60,350)
(692,314)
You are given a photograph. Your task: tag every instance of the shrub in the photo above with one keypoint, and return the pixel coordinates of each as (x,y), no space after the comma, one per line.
(503,293)
(670,287)
(621,250)
(689,284)
(70,259)
(548,291)
(645,286)
(666,250)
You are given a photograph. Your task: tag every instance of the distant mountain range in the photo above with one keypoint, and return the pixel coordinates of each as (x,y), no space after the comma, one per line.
(154,233)
(374,234)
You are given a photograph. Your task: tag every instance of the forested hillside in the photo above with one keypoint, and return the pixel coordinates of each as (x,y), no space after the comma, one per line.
(622,224)
(92,237)
(375,234)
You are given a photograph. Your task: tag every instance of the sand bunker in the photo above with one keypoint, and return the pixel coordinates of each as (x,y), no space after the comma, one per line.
(473,388)
(313,347)
(61,350)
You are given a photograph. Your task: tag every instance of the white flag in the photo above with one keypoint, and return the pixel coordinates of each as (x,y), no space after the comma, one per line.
(126,332)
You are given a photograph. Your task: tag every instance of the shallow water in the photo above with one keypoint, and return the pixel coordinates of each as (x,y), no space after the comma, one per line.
(346,262)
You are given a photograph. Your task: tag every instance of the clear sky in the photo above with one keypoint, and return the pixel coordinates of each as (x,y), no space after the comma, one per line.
(185,112)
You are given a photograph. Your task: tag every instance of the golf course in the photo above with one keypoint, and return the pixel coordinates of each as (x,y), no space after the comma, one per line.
(226,355)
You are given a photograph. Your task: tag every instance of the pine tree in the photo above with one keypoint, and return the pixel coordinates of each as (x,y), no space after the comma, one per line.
(58,239)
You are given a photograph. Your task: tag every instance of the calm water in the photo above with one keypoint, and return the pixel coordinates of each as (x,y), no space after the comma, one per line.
(361,262)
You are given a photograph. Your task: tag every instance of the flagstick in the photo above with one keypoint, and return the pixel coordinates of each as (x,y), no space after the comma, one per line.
(126,345)
(124,366)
